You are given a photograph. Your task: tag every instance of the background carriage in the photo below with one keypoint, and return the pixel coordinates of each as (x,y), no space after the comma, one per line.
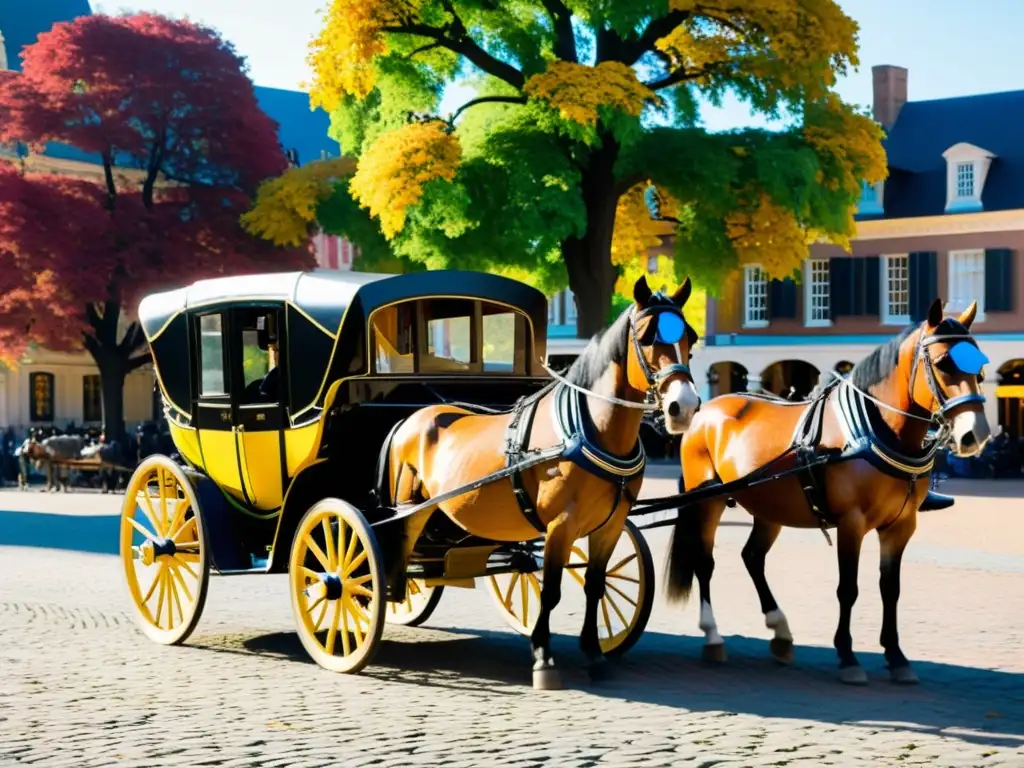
(280,391)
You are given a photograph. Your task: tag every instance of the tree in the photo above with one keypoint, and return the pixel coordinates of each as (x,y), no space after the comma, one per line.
(584,120)
(168,112)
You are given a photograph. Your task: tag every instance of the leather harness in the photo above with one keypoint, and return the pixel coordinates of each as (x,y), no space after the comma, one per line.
(575,428)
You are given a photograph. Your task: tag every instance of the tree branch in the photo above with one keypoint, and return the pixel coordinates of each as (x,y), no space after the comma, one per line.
(461,43)
(423,49)
(565,38)
(681,75)
(485,100)
(657,28)
(137,362)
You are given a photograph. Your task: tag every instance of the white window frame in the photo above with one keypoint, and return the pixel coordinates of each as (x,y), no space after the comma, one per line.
(965,174)
(809,294)
(885,306)
(955,266)
(961,156)
(748,273)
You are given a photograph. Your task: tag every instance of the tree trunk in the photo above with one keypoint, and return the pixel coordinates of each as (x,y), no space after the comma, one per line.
(588,259)
(115,361)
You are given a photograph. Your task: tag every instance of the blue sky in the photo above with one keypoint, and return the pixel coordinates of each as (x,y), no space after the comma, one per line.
(951,47)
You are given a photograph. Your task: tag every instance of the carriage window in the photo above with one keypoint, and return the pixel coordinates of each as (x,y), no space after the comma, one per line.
(393,338)
(448,330)
(212,355)
(255,361)
(503,332)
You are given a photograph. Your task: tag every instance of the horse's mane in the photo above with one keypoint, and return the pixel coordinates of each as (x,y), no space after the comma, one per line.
(879,365)
(605,348)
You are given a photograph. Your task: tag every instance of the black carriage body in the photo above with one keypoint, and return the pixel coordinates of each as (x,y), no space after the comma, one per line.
(358,353)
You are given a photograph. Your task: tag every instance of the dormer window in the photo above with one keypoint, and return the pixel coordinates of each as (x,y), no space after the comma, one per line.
(964,180)
(871,196)
(967,168)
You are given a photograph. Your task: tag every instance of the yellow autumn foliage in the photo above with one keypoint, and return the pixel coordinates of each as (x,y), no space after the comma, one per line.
(341,55)
(635,230)
(394,169)
(577,90)
(781,38)
(285,206)
(768,235)
(855,141)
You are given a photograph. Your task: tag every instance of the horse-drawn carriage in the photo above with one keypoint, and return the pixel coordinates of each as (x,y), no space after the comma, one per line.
(380,438)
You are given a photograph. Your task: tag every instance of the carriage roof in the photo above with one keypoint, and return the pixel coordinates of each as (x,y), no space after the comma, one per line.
(328,315)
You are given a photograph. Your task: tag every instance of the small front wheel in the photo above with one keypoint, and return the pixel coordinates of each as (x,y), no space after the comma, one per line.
(337,586)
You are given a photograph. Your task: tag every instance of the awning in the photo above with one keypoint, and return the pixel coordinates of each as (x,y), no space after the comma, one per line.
(1010,390)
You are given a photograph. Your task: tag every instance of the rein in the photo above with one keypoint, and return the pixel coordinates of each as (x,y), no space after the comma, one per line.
(650,407)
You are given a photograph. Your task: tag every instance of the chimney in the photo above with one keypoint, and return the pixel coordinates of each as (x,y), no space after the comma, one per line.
(889,84)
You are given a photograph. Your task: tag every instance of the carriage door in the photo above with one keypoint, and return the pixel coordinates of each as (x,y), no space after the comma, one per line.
(215,420)
(260,417)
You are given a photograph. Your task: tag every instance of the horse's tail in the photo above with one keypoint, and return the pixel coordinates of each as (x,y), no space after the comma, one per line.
(684,551)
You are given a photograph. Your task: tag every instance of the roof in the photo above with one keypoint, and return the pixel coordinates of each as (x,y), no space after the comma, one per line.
(299,128)
(925,129)
(22,22)
(326,294)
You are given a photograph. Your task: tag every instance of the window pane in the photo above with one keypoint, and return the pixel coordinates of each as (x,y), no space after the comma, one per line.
(41,396)
(897,287)
(393,338)
(447,343)
(92,399)
(212,355)
(965,179)
(255,361)
(756,295)
(499,342)
(819,290)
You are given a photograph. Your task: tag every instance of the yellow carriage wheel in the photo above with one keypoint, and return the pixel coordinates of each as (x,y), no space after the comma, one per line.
(420,601)
(163,550)
(337,586)
(624,610)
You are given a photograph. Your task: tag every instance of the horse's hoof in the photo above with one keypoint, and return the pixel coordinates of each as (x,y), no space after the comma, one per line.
(853,675)
(782,650)
(547,679)
(714,653)
(903,675)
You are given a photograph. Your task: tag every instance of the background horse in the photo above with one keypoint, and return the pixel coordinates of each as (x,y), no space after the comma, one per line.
(440,448)
(880,416)
(56,449)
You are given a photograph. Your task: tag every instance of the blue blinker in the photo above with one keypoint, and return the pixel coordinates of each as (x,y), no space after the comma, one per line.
(967,358)
(670,328)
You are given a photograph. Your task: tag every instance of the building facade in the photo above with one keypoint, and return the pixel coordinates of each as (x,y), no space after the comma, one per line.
(57,389)
(948,223)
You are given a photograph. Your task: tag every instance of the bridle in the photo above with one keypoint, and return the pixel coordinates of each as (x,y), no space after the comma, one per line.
(946,404)
(654,378)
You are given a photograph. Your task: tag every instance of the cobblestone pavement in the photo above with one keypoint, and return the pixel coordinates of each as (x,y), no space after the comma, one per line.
(79,686)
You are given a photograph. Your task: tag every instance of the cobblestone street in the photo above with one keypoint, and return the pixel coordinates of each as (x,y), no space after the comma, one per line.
(79,686)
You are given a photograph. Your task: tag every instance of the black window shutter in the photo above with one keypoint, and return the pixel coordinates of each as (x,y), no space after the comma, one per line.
(872,286)
(924,283)
(999,280)
(840,291)
(782,299)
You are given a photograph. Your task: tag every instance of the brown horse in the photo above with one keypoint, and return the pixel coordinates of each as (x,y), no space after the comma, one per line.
(875,422)
(586,490)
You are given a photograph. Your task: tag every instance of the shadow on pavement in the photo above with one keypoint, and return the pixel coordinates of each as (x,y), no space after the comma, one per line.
(966,703)
(97,534)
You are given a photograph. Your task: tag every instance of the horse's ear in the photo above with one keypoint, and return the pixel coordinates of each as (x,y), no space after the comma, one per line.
(967,316)
(641,292)
(935,313)
(683,293)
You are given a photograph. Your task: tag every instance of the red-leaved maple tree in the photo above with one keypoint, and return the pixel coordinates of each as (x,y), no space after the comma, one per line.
(166,112)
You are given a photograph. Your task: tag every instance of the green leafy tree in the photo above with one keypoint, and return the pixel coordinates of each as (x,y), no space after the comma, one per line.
(584,120)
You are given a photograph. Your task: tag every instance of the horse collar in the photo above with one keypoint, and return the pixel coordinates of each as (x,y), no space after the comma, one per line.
(575,428)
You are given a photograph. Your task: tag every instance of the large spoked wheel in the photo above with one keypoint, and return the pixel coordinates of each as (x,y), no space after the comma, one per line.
(420,601)
(337,586)
(625,608)
(163,550)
